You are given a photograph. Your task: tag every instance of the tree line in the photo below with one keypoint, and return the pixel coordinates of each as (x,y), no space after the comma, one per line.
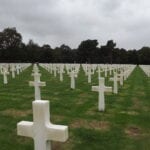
(12,49)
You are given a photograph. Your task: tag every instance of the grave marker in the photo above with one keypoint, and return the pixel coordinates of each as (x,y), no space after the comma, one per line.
(5,73)
(41,129)
(115,83)
(72,76)
(101,89)
(37,84)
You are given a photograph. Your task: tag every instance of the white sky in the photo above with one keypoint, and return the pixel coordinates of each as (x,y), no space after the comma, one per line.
(69,22)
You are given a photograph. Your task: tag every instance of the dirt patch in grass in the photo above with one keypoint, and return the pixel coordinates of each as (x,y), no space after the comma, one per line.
(56,145)
(16,113)
(81,101)
(83,95)
(136,103)
(126,86)
(91,124)
(57,118)
(141,92)
(92,111)
(68,145)
(133,131)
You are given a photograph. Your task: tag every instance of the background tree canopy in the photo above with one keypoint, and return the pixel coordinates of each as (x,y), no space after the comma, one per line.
(12,49)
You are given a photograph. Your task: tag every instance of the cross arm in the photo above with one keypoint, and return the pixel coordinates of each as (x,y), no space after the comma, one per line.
(95,88)
(32,83)
(108,89)
(57,132)
(25,128)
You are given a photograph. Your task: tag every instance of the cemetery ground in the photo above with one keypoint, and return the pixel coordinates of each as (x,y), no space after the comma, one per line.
(124,125)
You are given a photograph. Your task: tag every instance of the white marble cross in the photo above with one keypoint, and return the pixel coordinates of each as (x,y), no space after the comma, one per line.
(61,71)
(121,78)
(55,70)
(41,129)
(101,89)
(89,73)
(115,80)
(72,76)
(37,84)
(106,72)
(5,73)
(99,72)
(35,68)
(13,71)
(18,69)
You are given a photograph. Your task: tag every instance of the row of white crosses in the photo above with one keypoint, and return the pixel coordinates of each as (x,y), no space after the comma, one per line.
(72,75)
(5,70)
(146,69)
(89,70)
(115,80)
(101,88)
(71,69)
(123,75)
(5,74)
(41,129)
(120,72)
(54,68)
(36,83)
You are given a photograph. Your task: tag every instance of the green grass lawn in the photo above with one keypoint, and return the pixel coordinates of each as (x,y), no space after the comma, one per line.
(125,125)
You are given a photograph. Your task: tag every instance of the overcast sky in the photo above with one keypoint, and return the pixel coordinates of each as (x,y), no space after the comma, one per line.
(69,22)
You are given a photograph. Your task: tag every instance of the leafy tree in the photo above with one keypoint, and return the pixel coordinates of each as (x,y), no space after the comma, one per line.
(133,57)
(46,53)
(107,51)
(144,55)
(12,49)
(33,51)
(10,38)
(87,50)
(10,44)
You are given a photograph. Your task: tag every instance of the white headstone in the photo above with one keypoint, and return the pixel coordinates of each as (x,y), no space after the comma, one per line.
(89,73)
(99,72)
(35,68)
(5,73)
(61,71)
(41,129)
(72,76)
(115,80)
(106,72)
(120,78)
(101,89)
(55,71)
(37,84)
(18,69)
(13,71)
